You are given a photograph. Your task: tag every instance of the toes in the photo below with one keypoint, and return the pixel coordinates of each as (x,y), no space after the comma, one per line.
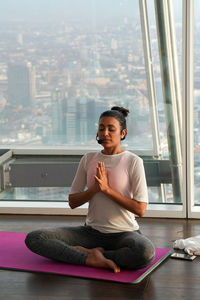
(113,266)
(97,259)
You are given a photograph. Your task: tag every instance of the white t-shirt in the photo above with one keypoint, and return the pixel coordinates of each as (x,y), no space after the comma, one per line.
(126,175)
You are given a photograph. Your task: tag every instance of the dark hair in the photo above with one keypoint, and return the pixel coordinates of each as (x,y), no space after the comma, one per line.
(119,113)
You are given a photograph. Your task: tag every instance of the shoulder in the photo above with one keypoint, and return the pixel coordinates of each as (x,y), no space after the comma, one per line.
(88,157)
(134,163)
(132,157)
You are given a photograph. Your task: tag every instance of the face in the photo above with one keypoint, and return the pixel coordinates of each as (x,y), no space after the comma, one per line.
(109,131)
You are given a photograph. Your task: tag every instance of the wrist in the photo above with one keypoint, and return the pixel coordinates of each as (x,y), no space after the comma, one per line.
(107,190)
(93,189)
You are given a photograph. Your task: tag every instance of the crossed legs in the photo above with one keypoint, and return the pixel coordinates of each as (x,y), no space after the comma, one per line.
(85,246)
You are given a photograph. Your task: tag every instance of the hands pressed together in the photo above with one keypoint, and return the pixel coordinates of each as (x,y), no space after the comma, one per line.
(101,178)
(102,184)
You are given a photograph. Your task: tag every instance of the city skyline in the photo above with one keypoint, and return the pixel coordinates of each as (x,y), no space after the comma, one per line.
(83,64)
(85,71)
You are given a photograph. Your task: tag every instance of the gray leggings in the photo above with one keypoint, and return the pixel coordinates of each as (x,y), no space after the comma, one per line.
(129,250)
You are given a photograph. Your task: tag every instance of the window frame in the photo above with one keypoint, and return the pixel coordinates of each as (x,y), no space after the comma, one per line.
(187,208)
(188,100)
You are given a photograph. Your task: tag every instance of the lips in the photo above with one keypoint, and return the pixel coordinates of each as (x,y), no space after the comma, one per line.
(106,142)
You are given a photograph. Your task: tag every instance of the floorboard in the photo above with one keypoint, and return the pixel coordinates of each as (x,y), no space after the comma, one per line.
(173,279)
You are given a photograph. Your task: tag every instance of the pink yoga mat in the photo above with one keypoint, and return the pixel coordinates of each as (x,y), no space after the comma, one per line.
(15,255)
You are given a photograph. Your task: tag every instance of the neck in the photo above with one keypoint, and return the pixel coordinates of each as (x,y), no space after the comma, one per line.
(112,151)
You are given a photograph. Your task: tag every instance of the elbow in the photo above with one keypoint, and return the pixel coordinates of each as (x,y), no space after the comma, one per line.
(71,203)
(141,213)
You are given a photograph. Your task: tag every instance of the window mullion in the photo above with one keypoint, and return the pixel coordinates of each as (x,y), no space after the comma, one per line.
(166,62)
(150,77)
(188,146)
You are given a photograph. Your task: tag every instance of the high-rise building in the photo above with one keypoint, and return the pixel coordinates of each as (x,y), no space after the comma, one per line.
(21,83)
(58,116)
(20,39)
(73,118)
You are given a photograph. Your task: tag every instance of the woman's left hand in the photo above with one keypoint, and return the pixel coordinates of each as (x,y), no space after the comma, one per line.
(101,177)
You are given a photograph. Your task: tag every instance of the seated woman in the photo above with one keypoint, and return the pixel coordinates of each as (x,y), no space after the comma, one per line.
(113,182)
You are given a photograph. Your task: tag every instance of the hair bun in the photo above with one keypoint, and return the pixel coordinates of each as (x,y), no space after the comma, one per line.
(122,110)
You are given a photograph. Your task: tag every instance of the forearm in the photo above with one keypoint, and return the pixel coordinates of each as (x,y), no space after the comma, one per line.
(131,205)
(78,199)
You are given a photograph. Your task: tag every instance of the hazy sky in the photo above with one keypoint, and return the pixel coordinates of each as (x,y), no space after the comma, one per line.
(57,9)
(17,9)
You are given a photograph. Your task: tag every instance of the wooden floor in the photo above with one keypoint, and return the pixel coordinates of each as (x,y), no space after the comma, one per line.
(172,280)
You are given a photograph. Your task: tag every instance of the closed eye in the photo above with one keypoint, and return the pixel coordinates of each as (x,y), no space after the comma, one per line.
(110,129)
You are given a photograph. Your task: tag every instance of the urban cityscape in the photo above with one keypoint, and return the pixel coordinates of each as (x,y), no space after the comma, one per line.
(54,84)
(56,78)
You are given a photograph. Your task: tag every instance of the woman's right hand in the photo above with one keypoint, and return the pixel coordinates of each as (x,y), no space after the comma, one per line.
(78,199)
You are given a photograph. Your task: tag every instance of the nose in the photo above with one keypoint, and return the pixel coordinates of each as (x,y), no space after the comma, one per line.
(106,132)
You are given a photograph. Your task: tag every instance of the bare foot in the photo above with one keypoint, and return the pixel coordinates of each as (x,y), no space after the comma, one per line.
(88,250)
(96,259)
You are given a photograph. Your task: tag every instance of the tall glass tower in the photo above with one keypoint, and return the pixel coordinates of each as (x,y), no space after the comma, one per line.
(21,83)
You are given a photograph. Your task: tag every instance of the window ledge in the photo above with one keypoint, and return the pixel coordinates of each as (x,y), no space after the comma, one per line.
(62,208)
(40,208)
(165,211)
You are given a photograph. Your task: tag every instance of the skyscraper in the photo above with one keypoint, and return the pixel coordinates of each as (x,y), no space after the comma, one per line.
(21,83)
(58,116)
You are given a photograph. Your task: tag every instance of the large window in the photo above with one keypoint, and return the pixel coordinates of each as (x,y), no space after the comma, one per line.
(64,62)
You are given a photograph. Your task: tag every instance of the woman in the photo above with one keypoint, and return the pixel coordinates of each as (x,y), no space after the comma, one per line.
(116,192)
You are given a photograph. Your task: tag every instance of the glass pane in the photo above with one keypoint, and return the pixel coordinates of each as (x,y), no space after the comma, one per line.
(55,194)
(168,193)
(157,80)
(196,102)
(63,63)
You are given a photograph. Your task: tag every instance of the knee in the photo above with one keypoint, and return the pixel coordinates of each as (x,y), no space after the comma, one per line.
(147,255)
(150,253)
(32,238)
(143,256)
